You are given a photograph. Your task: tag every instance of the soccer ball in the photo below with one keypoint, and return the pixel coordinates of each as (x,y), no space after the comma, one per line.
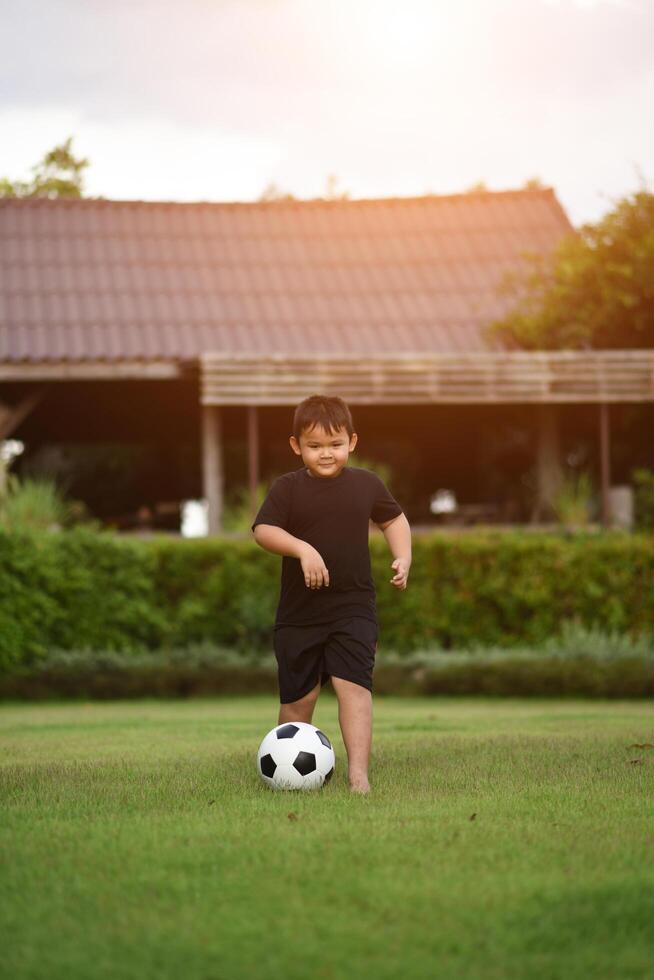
(296,756)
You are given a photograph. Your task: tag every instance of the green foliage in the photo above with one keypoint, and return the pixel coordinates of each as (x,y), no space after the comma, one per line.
(237,514)
(644,499)
(529,676)
(65,588)
(83,589)
(511,589)
(573,503)
(579,661)
(221,591)
(272,192)
(200,669)
(577,641)
(534,184)
(596,290)
(58,174)
(36,504)
(574,641)
(480,187)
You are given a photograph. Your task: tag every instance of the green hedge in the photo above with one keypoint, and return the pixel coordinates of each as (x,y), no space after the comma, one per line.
(84,589)
(643,481)
(582,665)
(511,589)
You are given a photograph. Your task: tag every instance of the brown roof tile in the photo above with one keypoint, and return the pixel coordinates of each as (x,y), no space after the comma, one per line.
(96,279)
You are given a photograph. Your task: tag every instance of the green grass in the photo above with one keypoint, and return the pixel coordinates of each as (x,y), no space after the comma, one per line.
(138,842)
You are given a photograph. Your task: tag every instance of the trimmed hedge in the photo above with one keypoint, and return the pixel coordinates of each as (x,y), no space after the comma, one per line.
(97,590)
(625,672)
(512,589)
(60,589)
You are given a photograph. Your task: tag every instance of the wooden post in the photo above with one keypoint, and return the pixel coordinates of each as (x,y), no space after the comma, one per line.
(212,467)
(548,467)
(253,457)
(605,462)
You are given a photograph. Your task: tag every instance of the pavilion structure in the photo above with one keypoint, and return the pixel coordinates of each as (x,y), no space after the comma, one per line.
(383,302)
(545,378)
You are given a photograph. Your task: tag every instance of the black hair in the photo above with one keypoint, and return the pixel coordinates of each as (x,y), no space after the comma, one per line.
(329,411)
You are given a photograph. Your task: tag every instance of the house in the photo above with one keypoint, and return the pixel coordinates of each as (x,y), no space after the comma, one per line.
(198,326)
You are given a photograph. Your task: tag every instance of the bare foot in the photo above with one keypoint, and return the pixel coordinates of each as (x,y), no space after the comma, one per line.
(359,784)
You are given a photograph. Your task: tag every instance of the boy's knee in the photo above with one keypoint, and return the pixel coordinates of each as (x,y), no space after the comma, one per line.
(311,697)
(302,709)
(350,690)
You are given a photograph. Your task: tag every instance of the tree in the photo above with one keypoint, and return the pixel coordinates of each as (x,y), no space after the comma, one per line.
(596,290)
(478,188)
(58,174)
(272,192)
(332,190)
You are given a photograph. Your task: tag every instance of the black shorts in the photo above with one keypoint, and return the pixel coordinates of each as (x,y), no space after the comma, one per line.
(307,654)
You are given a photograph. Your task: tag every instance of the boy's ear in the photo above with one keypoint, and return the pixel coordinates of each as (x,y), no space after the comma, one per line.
(295,446)
(353,441)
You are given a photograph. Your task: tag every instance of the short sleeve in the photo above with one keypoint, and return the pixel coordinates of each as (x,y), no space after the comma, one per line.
(384,505)
(276,507)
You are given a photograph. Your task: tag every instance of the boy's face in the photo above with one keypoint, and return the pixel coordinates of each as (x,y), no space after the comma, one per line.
(324,455)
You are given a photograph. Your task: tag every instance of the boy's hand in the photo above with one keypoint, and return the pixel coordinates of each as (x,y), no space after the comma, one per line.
(313,567)
(401,566)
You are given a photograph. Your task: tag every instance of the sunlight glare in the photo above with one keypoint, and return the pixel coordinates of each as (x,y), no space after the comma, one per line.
(402,35)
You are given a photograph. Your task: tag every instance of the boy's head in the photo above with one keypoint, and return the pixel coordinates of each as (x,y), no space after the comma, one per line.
(323,434)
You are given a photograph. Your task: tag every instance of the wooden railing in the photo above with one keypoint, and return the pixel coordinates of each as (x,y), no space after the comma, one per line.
(534,376)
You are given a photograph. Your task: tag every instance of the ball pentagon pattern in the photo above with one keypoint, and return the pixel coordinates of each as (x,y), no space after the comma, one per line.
(295,755)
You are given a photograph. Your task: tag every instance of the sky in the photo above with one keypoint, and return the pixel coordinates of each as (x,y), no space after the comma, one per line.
(215,100)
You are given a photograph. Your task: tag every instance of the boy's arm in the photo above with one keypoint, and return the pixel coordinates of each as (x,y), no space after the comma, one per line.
(280,542)
(398,534)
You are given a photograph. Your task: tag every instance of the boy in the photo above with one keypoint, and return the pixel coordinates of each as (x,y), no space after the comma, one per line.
(317,517)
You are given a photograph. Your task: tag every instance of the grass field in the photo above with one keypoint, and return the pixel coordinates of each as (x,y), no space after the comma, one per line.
(503,839)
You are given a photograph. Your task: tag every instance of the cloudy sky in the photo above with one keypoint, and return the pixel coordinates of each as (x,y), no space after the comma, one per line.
(216,99)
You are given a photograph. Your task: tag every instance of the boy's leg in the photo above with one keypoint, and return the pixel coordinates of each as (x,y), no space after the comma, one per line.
(355,718)
(301,710)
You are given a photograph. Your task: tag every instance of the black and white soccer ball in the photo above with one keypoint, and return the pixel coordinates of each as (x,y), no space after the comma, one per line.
(296,755)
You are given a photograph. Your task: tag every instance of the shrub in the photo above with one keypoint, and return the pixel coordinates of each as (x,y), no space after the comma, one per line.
(644,499)
(579,662)
(237,515)
(511,589)
(60,589)
(573,503)
(86,589)
(36,504)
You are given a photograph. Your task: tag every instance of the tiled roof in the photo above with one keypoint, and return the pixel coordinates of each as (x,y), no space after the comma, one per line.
(106,280)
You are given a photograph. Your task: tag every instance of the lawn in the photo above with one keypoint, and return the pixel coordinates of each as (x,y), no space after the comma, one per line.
(503,839)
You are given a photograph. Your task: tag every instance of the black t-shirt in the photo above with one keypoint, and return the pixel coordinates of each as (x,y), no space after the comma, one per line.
(333,515)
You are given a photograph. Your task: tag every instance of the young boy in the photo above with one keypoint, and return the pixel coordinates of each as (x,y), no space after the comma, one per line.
(317,517)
